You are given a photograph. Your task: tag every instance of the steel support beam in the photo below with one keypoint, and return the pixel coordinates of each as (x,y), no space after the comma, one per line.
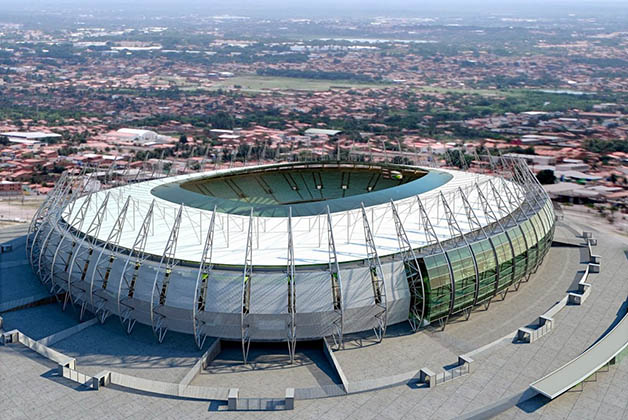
(159,293)
(519,170)
(43,228)
(292,309)
(109,173)
(412,272)
(476,226)
(535,191)
(490,216)
(377,279)
(336,287)
(141,168)
(526,213)
(46,249)
(58,208)
(202,164)
(130,272)
(125,174)
(42,211)
(82,256)
(202,280)
(503,209)
(519,217)
(60,261)
(431,237)
(455,231)
(99,280)
(245,301)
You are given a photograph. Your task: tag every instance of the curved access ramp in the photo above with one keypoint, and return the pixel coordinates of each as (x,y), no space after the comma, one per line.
(574,372)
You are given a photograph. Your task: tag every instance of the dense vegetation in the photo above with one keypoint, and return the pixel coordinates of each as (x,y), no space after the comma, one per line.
(315,74)
(606,146)
(546,176)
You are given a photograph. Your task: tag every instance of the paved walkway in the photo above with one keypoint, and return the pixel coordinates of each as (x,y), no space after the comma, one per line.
(607,396)
(436,349)
(16,282)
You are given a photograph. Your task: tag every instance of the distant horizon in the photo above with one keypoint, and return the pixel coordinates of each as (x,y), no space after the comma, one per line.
(330,8)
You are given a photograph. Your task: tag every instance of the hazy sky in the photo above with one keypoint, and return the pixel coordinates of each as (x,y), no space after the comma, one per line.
(321,8)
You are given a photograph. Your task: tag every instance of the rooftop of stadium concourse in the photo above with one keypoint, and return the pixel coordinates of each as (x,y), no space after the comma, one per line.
(305,189)
(270,234)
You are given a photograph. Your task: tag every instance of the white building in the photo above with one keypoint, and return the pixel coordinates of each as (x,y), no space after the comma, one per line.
(140,136)
(31,139)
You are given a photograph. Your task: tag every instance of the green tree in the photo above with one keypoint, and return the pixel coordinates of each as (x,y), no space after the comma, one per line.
(546,176)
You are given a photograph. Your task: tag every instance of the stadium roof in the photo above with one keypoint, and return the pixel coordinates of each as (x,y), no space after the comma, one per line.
(309,232)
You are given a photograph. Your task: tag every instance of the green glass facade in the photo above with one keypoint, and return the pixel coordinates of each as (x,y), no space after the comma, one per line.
(469,275)
(487,268)
(463,269)
(437,280)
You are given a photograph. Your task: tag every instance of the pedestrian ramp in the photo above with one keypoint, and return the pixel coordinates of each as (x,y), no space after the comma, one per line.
(575,372)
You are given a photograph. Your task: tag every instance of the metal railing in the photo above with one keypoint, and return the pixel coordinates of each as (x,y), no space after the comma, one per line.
(529,335)
(433,379)
(451,374)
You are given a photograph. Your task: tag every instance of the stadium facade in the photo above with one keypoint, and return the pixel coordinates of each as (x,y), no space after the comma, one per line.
(292,251)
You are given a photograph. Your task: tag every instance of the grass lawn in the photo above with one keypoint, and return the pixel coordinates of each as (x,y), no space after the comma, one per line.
(254,83)
(482,92)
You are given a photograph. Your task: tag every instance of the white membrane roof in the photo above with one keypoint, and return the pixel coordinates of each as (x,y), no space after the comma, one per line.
(270,234)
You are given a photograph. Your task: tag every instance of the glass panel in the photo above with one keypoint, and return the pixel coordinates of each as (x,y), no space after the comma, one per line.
(487,268)
(520,248)
(530,235)
(546,218)
(539,225)
(464,276)
(549,214)
(546,242)
(504,259)
(550,209)
(435,271)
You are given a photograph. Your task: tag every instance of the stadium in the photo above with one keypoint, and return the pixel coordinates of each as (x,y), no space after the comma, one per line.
(290,251)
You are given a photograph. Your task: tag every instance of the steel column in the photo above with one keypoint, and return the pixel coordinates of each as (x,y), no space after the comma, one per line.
(377,279)
(102,268)
(475,225)
(42,211)
(158,318)
(202,280)
(129,276)
(492,218)
(58,208)
(336,286)
(431,236)
(412,272)
(90,236)
(455,231)
(292,309)
(503,209)
(246,292)
(65,259)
